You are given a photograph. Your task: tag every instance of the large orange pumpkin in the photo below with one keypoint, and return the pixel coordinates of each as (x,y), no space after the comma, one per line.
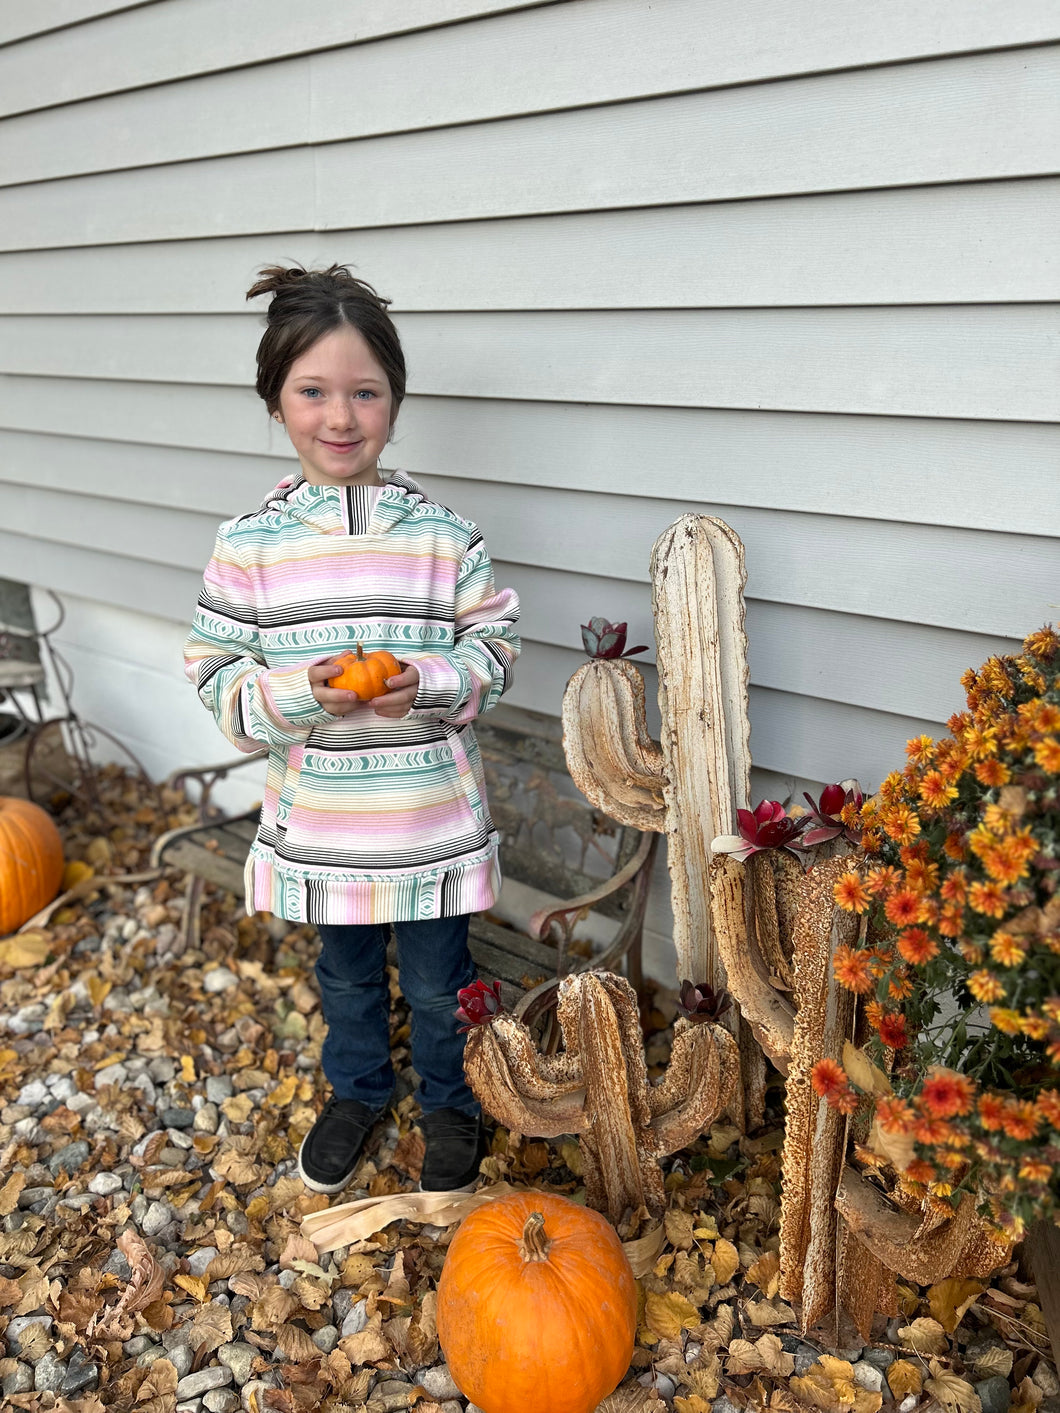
(365,675)
(537,1306)
(31,861)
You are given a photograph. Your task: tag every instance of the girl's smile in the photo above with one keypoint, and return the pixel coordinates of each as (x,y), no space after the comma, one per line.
(336,406)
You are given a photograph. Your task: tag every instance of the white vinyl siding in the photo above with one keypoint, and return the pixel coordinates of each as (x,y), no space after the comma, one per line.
(789,263)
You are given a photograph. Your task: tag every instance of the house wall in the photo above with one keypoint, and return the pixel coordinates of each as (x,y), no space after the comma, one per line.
(784,262)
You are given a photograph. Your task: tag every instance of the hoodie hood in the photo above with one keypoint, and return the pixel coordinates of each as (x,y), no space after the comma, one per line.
(347,510)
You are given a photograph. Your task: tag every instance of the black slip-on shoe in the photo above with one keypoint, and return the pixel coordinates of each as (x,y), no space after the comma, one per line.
(331,1150)
(455,1145)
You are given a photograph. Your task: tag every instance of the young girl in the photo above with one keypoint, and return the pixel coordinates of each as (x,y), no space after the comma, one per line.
(374,812)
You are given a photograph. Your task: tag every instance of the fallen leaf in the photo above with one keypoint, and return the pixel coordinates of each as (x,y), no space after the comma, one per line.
(765,1273)
(25,949)
(666,1315)
(950,1300)
(161,1381)
(632,1399)
(951,1390)
(705,1380)
(904,1378)
(995,1359)
(766,1354)
(692,1404)
(925,1336)
(725,1261)
(194,1285)
(679,1229)
(862,1072)
(211,1327)
(10,1193)
(765,1313)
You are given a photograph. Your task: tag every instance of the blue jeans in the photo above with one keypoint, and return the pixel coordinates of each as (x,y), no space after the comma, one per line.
(433,964)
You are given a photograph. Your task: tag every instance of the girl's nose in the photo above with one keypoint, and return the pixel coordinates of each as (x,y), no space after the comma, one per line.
(340,413)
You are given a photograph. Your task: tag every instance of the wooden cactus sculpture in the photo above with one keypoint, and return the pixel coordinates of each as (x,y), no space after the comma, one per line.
(597,1087)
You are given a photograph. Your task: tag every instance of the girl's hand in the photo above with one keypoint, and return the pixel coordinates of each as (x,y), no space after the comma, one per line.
(401,695)
(338,703)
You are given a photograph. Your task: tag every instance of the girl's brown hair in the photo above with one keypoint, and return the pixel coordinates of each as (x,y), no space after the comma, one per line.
(306,305)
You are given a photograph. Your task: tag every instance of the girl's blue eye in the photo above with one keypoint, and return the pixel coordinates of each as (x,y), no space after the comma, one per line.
(310,392)
(366,392)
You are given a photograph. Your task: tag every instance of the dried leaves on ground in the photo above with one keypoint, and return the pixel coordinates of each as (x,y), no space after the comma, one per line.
(152,1100)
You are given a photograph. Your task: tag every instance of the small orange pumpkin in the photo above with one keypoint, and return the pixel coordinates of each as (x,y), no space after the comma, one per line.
(537,1306)
(365,675)
(31,861)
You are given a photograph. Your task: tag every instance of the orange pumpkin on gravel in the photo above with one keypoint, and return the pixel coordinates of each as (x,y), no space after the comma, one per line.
(364,674)
(537,1306)
(31,861)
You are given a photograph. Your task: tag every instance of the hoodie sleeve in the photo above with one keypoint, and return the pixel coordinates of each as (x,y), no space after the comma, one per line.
(254,705)
(470,678)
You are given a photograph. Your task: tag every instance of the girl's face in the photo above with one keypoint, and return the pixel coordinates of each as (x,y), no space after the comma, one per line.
(336,405)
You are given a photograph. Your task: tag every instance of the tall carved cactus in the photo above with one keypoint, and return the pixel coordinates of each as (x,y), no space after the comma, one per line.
(766,929)
(690,784)
(598,1087)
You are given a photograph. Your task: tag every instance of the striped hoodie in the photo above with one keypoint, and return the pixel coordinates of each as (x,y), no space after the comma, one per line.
(364,819)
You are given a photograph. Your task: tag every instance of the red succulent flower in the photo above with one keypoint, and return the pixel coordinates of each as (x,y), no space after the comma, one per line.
(608,640)
(479,1003)
(767,827)
(702,1003)
(825,814)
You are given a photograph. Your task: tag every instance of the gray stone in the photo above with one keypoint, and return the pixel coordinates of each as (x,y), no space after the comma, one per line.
(850,1355)
(23,1322)
(908,1403)
(220,1400)
(195,1385)
(866,1375)
(438,1382)
(62,1087)
(326,1338)
(804,1358)
(287,1279)
(157,1216)
(1050,1404)
(238,1356)
(661,1383)
(105,1184)
(182,1358)
(117,1265)
(111,1074)
(218,1088)
(136,1346)
(451,1405)
(994,1394)
(33,1094)
(356,1320)
(199,1260)
(81,1372)
(1045,1378)
(190,1405)
(722,1404)
(162,1069)
(879,1358)
(207,1119)
(77,1201)
(49,1372)
(151,1356)
(220,979)
(69,1158)
(20,1380)
(342,1303)
(177,1118)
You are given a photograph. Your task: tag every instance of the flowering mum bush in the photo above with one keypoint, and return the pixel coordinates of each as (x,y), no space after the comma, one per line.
(959,969)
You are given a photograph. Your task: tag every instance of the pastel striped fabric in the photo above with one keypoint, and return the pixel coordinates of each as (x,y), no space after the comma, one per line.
(364,819)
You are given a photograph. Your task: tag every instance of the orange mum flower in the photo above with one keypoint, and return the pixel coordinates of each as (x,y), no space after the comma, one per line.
(955,886)
(883,880)
(1051,1007)
(921,875)
(1037,1027)
(920,750)
(900,823)
(845,1100)
(1005,950)
(894,1115)
(936,792)
(992,773)
(991,1111)
(1044,716)
(988,898)
(1034,1170)
(950,919)
(893,1031)
(874,1013)
(954,846)
(919,1171)
(851,894)
(902,907)
(1047,754)
(852,969)
(900,988)
(971,953)
(827,1076)
(1020,1120)
(946,1093)
(1048,1106)
(985,987)
(1007,1021)
(931,1131)
(1043,643)
(916,946)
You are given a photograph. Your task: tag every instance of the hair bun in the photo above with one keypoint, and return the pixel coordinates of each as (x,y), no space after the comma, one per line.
(335,280)
(273,278)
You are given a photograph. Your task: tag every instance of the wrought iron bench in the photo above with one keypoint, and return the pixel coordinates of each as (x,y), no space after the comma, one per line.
(521,751)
